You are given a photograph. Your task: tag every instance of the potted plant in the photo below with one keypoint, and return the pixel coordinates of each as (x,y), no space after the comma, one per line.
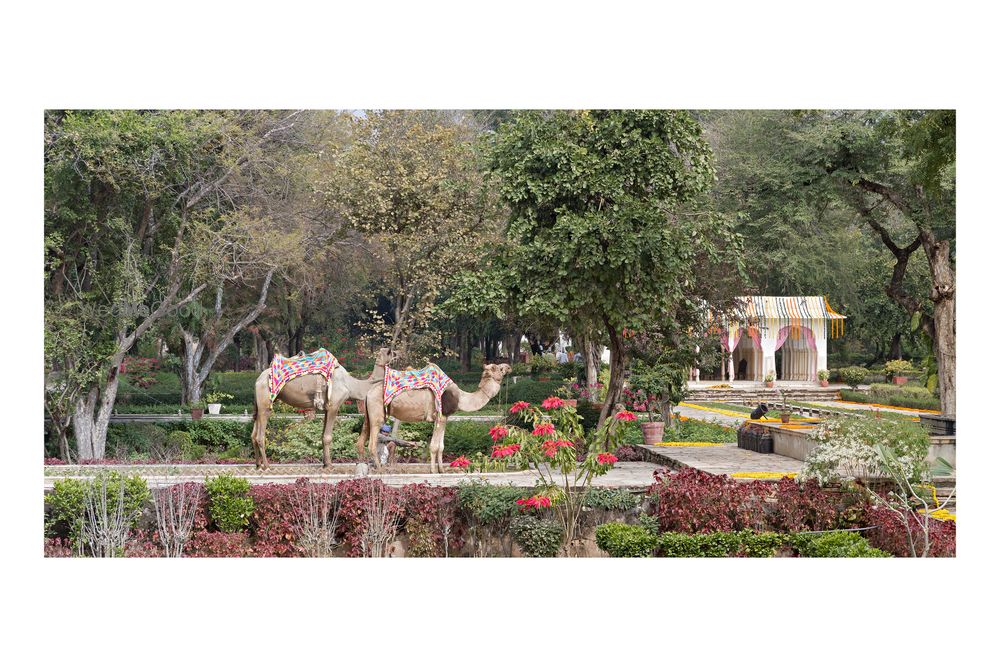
(894,371)
(569,393)
(824,378)
(214,400)
(655,388)
(197,409)
(769,379)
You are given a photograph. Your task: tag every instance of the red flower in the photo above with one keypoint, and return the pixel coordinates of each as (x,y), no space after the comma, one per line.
(552,402)
(550,447)
(606,459)
(625,416)
(460,462)
(517,407)
(534,502)
(498,432)
(544,429)
(502,452)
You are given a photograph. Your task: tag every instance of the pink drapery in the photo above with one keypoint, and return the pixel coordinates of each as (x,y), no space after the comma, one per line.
(730,339)
(810,340)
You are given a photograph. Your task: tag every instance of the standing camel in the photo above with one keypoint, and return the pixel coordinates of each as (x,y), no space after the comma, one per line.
(418,405)
(312,392)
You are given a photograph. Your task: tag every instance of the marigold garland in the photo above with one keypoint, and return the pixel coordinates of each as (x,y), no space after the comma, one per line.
(689,444)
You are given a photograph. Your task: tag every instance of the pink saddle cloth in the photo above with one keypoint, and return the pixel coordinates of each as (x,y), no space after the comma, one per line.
(284,369)
(430,377)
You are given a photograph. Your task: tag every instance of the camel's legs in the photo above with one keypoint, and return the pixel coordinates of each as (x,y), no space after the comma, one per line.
(333,402)
(258,436)
(375,420)
(363,436)
(437,444)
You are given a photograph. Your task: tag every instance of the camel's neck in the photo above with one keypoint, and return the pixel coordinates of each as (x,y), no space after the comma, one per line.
(359,388)
(378,373)
(477,400)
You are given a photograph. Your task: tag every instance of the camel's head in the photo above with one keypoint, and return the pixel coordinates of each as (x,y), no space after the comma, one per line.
(495,372)
(384,357)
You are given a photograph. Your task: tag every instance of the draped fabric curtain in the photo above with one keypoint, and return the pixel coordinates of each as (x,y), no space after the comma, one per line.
(782,337)
(730,340)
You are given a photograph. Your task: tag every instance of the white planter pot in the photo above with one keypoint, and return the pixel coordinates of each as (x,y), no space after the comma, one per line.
(214,408)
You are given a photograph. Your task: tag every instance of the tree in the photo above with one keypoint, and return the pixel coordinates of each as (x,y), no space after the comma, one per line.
(608,220)
(897,169)
(126,193)
(408,182)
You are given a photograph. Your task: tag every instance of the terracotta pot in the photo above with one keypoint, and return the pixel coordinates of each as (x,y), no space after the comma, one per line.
(197,413)
(785,417)
(769,384)
(652,432)
(824,383)
(900,379)
(571,402)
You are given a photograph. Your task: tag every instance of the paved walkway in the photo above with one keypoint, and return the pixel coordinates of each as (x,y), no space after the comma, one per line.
(725,459)
(632,475)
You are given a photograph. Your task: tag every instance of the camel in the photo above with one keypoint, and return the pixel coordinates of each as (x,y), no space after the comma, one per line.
(311,392)
(418,406)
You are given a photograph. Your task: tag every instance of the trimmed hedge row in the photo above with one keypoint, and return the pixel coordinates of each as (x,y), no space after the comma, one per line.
(631,541)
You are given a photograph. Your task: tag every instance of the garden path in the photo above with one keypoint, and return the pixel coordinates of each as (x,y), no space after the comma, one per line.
(723,459)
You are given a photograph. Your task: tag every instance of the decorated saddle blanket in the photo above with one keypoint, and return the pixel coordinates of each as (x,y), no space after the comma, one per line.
(430,377)
(284,369)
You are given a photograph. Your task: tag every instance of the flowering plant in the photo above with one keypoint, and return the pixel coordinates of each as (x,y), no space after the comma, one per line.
(549,446)
(460,462)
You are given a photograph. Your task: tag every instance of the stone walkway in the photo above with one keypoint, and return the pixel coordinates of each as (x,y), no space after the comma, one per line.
(723,460)
(630,475)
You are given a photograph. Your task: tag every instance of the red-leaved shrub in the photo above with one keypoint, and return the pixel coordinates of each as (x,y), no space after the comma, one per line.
(57,547)
(431,511)
(205,544)
(890,534)
(692,501)
(273,523)
(354,508)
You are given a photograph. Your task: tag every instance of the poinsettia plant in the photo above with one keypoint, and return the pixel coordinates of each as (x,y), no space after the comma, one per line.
(549,446)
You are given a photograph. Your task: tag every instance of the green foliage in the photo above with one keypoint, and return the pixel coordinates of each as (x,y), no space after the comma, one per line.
(719,544)
(853,375)
(300,440)
(68,499)
(904,397)
(532,391)
(230,504)
(823,374)
(848,448)
(615,500)
(694,430)
(659,382)
(841,544)
(622,540)
(488,504)
(461,438)
(539,538)
(181,441)
(897,367)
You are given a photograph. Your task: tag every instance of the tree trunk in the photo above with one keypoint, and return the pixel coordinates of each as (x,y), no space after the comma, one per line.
(464,350)
(592,360)
(895,346)
(515,348)
(666,414)
(90,427)
(617,382)
(943,298)
(191,351)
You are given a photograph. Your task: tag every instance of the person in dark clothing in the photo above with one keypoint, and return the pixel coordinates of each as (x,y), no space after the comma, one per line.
(741,374)
(759,411)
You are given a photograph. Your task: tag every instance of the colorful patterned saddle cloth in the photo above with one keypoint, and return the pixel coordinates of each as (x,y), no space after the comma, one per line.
(430,377)
(284,369)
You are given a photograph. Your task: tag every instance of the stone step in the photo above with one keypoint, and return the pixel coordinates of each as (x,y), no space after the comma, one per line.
(762,395)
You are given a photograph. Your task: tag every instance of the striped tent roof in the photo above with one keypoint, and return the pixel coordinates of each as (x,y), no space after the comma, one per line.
(787,310)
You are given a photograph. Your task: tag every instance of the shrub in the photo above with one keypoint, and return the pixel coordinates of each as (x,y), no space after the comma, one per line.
(539,538)
(627,453)
(891,534)
(840,544)
(303,441)
(219,436)
(720,544)
(847,448)
(205,544)
(273,519)
(694,430)
(612,500)
(853,375)
(823,375)
(356,499)
(189,451)
(532,391)
(461,438)
(693,501)
(68,499)
(487,504)
(431,523)
(621,540)
(230,504)
(897,367)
